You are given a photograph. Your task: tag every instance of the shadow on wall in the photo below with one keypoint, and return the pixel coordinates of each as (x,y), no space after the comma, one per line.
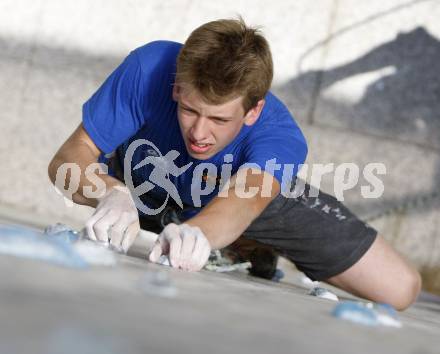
(401,102)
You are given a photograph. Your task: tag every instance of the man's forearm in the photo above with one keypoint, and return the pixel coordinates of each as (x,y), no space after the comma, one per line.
(224,219)
(82,159)
(78,152)
(222,223)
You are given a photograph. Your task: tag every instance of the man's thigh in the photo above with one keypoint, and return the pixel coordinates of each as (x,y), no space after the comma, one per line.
(381,275)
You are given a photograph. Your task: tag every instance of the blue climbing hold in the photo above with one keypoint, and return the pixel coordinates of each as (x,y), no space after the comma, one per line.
(355,312)
(369,314)
(25,242)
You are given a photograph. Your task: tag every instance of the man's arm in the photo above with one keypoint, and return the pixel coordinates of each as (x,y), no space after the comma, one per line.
(224,219)
(115,219)
(218,224)
(80,149)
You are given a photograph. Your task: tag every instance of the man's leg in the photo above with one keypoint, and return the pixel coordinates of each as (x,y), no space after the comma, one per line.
(381,275)
(329,243)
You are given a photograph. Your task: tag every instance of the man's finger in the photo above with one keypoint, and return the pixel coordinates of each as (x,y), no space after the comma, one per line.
(119,229)
(155,253)
(91,222)
(204,258)
(187,249)
(172,234)
(103,225)
(198,253)
(130,235)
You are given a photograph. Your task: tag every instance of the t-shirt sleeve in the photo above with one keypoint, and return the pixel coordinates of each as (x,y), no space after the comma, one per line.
(115,112)
(278,150)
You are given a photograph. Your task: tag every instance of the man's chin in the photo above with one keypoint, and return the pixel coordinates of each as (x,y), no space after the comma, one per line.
(205,156)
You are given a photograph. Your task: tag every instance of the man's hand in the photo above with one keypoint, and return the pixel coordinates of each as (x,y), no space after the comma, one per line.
(186,245)
(115,220)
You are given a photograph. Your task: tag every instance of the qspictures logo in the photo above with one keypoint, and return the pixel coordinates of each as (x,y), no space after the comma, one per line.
(206,177)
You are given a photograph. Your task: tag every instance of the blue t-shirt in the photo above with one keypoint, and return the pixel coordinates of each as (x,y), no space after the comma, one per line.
(135,102)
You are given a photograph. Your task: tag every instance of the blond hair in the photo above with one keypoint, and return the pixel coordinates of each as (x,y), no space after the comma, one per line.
(225,59)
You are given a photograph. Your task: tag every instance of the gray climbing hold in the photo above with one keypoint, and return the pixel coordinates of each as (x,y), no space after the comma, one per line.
(323,293)
(157,283)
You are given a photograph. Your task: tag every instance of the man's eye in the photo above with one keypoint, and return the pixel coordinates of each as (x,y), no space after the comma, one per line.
(218,120)
(188,110)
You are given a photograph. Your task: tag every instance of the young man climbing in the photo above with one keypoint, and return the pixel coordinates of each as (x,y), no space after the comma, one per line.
(199,145)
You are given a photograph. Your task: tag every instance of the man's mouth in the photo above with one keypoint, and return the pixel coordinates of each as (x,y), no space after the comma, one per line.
(198,148)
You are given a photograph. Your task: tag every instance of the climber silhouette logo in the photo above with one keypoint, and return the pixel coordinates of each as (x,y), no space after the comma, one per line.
(163,167)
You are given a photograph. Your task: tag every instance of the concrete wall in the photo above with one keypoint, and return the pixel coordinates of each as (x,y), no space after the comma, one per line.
(362,79)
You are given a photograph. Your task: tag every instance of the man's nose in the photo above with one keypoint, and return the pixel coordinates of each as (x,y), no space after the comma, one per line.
(199,130)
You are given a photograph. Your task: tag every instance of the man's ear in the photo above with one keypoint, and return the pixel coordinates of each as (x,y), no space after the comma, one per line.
(176,92)
(252,115)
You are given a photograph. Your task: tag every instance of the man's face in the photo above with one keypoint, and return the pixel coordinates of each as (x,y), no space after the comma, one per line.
(207,128)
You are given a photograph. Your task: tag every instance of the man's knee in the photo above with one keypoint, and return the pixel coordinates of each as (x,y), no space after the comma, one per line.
(406,291)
